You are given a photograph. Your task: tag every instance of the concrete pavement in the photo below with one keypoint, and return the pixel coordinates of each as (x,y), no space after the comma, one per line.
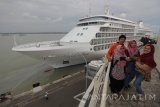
(60,94)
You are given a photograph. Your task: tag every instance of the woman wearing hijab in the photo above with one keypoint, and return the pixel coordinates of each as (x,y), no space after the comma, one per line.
(133,53)
(117,72)
(144,67)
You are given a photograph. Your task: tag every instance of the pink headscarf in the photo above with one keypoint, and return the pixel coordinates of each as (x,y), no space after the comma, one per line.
(132,51)
(118,54)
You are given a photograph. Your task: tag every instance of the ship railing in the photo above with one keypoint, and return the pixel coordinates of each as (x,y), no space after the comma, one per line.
(96,94)
(40,44)
(48,43)
(105,87)
(98,86)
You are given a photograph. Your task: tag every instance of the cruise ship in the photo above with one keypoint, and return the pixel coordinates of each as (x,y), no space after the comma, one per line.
(90,39)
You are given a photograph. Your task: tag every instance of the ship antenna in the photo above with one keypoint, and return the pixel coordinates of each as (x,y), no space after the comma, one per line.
(89,8)
(106,8)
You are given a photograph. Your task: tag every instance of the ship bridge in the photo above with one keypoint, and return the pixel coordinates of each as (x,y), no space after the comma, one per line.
(98,93)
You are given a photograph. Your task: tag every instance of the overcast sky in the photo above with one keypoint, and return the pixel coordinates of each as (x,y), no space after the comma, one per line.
(62,15)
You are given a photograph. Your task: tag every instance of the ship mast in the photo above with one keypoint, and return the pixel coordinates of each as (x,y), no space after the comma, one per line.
(106,8)
(89,8)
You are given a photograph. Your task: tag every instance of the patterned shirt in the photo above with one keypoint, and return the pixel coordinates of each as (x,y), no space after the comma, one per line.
(118,71)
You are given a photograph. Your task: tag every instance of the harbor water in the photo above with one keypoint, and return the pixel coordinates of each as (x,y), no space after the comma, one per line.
(18,72)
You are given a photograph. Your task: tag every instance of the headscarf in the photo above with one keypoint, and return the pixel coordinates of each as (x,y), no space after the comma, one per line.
(118,54)
(148,58)
(132,51)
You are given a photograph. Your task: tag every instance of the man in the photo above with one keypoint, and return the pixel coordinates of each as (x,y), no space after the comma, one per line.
(121,41)
(46,95)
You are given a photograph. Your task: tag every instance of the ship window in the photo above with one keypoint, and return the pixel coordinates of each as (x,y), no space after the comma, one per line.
(99,48)
(81,34)
(105,47)
(103,35)
(91,42)
(98,35)
(84,28)
(102,47)
(95,48)
(78,34)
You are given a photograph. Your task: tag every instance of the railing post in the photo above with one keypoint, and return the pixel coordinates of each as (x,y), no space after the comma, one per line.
(105,87)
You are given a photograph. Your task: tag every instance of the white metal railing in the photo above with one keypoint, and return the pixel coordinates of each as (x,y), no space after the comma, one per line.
(105,87)
(98,84)
(91,86)
(98,87)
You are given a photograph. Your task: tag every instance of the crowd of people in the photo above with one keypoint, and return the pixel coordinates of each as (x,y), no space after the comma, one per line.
(128,63)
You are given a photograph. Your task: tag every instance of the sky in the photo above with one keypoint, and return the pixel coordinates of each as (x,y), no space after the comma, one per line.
(62,15)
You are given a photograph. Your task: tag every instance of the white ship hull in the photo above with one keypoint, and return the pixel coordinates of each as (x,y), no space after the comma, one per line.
(61,56)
